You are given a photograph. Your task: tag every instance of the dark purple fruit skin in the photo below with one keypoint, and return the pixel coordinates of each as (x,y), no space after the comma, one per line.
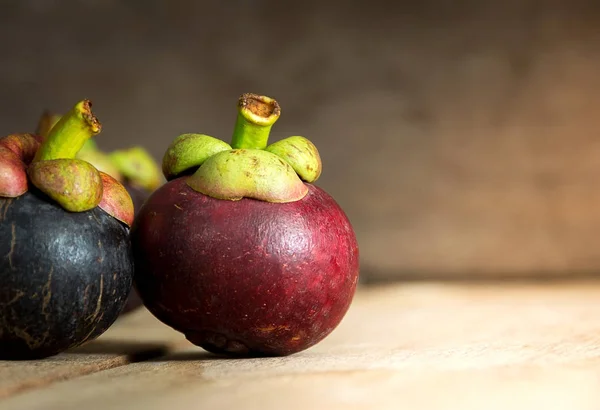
(138,196)
(64,277)
(245,277)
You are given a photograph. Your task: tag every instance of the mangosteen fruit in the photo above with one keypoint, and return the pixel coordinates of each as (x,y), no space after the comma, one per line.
(66,266)
(133,167)
(239,250)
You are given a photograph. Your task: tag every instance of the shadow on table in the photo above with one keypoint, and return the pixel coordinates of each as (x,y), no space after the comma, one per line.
(201,354)
(136,351)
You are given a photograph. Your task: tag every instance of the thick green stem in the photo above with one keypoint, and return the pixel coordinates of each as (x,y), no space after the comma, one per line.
(256,116)
(70,133)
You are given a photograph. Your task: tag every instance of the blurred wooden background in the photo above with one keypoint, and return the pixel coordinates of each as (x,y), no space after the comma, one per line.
(461,137)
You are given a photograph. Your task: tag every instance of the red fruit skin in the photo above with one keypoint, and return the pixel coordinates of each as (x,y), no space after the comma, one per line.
(246,277)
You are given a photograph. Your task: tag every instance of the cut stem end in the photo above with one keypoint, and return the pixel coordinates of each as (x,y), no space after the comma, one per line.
(256,116)
(259,109)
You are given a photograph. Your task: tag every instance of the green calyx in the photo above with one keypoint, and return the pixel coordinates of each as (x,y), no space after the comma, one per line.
(301,154)
(249,167)
(133,164)
(189,151)
(90,153)
(137,166)
(74,184)
(250,173)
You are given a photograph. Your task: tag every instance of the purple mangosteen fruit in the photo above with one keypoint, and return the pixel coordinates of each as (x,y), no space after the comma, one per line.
(133,167)
(239,250)
(66,267)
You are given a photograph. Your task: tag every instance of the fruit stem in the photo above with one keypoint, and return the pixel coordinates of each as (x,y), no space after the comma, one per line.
(70,133)
(256,116)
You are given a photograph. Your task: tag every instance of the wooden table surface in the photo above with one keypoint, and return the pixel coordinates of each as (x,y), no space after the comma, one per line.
(403,346)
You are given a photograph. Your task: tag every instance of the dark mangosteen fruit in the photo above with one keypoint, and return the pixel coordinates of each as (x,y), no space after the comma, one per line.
(239,250)
(133,167)
(66,266)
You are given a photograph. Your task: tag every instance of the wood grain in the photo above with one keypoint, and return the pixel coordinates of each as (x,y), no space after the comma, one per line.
(132,338)
(417,346)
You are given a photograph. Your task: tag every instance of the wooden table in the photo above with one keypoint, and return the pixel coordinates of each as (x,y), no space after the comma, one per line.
(409,346)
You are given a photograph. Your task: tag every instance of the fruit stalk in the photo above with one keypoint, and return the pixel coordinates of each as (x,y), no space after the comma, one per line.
(256,116)
(70,133)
